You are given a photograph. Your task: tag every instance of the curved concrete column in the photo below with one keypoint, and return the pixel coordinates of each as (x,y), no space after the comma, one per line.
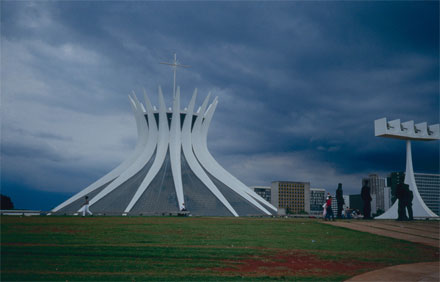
(204,140)
(419,206)
(199,135)
(141,141)
(140,162)
(162,148)
(175,149)
(189,155)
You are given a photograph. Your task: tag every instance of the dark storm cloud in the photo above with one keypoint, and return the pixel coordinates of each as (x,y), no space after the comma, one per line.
(299,84)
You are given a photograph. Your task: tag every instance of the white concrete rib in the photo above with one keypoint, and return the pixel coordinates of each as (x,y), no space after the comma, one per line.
(142,159)
(419,206)
(141,141)
(162,148)
(199,135)
(136,109)
(175,149)
(191,159)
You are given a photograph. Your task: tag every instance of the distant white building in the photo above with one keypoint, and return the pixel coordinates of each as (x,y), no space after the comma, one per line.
(429,189)
(377,185)
(263,191)
(373,204)
(317,199)
(346,200)
(387,198)
(335,203)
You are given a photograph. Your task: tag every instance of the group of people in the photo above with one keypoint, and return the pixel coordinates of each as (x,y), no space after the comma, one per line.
(403,194)
(328,211)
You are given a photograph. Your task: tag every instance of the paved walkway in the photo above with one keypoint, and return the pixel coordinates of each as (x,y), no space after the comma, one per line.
(423,232)
(424,271)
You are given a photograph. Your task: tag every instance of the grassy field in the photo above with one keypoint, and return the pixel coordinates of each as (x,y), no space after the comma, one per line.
(176,248)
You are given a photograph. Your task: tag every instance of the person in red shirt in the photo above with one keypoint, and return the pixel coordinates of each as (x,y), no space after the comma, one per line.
(329,213)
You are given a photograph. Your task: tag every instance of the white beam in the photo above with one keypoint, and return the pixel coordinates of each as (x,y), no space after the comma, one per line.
(204,138)
(199,135)
(141,141)
(162,148)
(150,134)
(406,130)
(191,159)
(175,149)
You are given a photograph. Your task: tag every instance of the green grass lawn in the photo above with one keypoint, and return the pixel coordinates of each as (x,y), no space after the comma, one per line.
(177,248)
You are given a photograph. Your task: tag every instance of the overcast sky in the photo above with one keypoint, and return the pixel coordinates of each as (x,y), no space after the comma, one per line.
(299,85)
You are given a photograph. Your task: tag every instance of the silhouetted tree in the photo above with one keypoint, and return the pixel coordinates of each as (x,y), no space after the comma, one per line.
(6,203)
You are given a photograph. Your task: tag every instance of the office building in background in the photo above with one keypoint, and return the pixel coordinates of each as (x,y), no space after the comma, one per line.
(263,191)
(317,199)
(377,185)
(291,197)
(429,189)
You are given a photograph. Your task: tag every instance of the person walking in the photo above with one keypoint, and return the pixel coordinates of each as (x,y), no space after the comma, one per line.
(85,207)
(324,207)
(329,210)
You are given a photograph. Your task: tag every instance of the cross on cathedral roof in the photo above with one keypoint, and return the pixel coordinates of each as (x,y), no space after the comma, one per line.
(174,66)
